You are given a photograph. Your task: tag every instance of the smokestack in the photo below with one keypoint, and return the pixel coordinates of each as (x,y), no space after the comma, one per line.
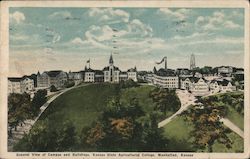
(166,63)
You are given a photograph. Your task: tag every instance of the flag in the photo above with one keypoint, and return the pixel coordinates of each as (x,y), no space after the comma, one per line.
(160,61)
(88,61)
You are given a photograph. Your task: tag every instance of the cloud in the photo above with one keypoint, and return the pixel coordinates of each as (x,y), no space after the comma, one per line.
(17,17)
(217,21)
(231,25)
(180,14)
(61,14)
(109,15)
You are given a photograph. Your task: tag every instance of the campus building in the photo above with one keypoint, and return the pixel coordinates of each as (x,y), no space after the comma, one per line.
(110,73)
(20,85)
(49,78)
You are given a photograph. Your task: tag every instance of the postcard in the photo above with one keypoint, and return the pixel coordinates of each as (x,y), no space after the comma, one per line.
(124,79)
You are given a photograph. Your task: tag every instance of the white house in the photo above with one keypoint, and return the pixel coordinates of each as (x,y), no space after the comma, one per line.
(20,85)
(198,86)
(132,74)
(226,86)
(89,75)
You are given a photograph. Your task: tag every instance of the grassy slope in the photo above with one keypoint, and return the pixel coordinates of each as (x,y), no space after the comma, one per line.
(179,130)
(233,115)
(81,105)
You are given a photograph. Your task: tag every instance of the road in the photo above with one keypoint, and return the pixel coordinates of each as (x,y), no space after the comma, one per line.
(186,99)
(23,129)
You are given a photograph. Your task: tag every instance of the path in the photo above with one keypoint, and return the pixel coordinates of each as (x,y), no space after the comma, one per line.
(186,99)
(23,129)
(232,126)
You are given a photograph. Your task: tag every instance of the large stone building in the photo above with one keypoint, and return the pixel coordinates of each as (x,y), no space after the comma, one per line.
(110,73)
(49,78)
(20,85)
(165,78)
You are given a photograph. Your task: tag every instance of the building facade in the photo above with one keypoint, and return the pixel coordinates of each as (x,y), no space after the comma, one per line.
(110,73)
(20,85)
(49,78)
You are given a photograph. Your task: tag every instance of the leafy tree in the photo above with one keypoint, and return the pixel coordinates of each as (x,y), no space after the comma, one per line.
(69,83)
(45,138)
(19,109)
(128,84)
(124,127)
(165,99)
(53,88)
(207,126)
(38,100)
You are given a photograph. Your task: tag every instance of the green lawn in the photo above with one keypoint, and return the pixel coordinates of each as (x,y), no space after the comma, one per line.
(178,132)
(235,117)
(80,105)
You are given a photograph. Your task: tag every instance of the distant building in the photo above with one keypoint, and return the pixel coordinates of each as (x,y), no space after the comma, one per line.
(197,86)
(20,85)
(111,74)
(165,78)
(225,70)
(221,86)
(49,78)
(77,77)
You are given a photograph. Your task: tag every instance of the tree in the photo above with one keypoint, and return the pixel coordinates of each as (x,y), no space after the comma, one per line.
(53,88)
(45,138)
(207,126)
(166,100)
(38,100)
(19,109)
(124,127)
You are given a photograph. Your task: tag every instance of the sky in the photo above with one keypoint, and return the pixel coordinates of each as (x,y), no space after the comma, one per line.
(43,39)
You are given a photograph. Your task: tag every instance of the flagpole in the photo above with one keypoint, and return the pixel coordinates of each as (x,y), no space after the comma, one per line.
(89,63)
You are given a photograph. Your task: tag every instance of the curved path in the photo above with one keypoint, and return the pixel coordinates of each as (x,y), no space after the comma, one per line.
(188,99)
(24,128)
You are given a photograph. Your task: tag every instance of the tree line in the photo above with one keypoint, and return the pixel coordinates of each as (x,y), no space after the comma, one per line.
(21,107)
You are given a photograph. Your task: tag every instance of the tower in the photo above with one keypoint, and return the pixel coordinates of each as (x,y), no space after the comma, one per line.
(192,62)
(111,61)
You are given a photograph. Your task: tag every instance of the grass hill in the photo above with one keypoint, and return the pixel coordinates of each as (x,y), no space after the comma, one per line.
(80,105)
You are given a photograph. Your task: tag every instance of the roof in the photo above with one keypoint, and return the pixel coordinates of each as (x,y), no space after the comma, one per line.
(54,73)
(123,73)
(223,83)
(107,68)
(15,79)
(89,70)
(163,72)
(99,72)
(18,79)
(132,70)
(193,79)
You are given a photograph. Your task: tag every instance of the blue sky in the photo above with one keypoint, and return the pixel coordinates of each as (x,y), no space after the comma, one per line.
(65,38)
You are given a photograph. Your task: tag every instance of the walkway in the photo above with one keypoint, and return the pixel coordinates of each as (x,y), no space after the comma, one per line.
(23,129)
(233,127)
(186,99)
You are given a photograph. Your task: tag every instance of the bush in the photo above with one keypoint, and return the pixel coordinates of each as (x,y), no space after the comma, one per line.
(69,84)
(53,88)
